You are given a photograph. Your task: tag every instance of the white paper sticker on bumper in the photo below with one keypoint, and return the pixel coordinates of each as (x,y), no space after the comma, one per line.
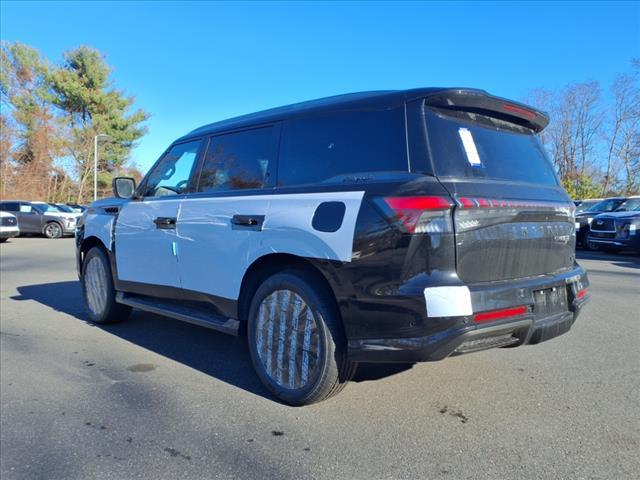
(448,301)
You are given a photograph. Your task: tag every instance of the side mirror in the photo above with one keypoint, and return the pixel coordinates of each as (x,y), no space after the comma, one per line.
(123,187)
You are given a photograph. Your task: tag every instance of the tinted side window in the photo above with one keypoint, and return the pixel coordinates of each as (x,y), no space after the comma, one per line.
(239,160)
(10,207)
(317,148)
(171,174)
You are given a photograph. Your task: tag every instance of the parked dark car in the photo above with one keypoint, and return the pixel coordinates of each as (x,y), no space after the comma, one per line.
(40,218)
(617,231)
(584,218)
(397,226)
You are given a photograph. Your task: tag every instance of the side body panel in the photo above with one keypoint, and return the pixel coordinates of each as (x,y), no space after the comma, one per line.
(99,224)
(214,254)
(30,222)
(145,253)
(98,220)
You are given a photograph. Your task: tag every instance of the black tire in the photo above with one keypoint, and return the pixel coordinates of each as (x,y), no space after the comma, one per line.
(2,240)
(328,370)
(97,289)
(53,230)
(584,243)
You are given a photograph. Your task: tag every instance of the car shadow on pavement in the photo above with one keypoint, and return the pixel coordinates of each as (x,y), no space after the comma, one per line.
(213,353)
(221,356)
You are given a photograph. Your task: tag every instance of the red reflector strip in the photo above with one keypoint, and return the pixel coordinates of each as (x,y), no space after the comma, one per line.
(473,202)
(500,314)
(418,203)
(582,293)
(466,202)
(519,111)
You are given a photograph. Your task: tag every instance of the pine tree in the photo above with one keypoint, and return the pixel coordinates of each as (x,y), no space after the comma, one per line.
(82,90)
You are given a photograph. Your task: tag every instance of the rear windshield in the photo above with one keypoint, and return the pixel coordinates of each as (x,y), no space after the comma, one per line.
(466,144)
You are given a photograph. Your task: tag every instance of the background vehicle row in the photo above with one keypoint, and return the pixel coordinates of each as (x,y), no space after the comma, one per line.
(41,218)
(609,224)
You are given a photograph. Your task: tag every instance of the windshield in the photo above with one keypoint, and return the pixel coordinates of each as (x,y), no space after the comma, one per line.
(608,205)
(46,208)
(62,208)
(585,205)
(631,205)
(466,144)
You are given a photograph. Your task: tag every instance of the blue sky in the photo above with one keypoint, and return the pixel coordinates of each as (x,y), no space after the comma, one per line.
(193,63)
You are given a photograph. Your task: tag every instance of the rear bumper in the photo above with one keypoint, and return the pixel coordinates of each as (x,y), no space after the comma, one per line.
(465,336)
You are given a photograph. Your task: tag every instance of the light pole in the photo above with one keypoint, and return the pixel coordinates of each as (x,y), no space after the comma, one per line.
(95,164)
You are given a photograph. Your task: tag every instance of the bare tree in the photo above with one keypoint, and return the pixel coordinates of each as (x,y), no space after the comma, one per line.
(573,134)
(623,134)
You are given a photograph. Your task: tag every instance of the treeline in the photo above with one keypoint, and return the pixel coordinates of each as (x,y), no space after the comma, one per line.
(50,114)
(594,135)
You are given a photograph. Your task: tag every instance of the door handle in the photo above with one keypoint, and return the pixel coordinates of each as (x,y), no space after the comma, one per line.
(253,222)
(165,223)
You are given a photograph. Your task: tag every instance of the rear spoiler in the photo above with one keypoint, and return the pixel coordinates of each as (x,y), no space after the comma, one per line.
(479,101)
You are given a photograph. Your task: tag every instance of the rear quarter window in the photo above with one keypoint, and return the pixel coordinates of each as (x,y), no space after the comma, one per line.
(318,148)
(471,145)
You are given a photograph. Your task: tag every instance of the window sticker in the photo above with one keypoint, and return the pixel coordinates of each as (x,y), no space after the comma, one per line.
(469,147)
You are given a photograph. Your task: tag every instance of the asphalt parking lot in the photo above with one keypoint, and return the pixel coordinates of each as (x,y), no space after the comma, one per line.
(154,398)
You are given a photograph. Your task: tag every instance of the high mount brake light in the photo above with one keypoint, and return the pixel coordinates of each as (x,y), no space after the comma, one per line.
(519,110)
(500,314)
(422,214)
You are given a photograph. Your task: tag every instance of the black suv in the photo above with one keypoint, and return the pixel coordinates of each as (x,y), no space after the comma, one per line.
(395,226)
(619,230)
(585,217)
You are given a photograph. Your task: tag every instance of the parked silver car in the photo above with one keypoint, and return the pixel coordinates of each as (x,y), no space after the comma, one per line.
(40,218)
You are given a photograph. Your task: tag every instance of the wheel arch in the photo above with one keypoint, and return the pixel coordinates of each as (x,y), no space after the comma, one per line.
(269,264)
(90,242)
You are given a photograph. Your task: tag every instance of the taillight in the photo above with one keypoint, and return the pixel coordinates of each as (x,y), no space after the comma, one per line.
(500,314)
(422,214)
(582,293)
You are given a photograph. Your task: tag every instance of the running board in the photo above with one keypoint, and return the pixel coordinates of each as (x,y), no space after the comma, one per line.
(196,316)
